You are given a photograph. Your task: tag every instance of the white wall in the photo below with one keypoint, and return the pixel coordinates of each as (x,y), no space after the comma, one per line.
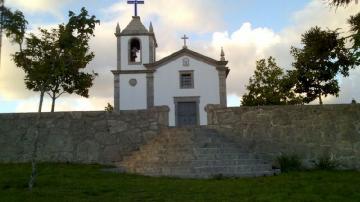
(206,85)
(133,97)
(125,52)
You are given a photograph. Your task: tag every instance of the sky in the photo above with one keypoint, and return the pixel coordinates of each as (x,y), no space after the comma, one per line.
(248,30)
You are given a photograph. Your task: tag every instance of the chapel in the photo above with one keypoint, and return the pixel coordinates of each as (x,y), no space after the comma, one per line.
(185,81)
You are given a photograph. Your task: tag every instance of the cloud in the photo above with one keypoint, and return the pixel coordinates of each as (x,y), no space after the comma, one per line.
(104,45)
(186,16)
(34,6)
(242,47)
(246,45)
(62,104)
(11,77)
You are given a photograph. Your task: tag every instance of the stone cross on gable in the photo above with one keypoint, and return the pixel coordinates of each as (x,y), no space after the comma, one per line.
(185,38)
(135,2)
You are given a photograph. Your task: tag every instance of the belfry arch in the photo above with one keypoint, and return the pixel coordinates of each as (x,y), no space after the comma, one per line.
(135,51)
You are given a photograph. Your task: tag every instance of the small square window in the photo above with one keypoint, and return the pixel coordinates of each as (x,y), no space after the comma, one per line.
(186,79)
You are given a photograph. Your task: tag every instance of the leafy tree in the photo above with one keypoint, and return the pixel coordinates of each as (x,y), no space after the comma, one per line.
(341,2)
(34,60)
(270,86)
(354,22)
(30,60)
(54,62)
(318,63)
(14,25)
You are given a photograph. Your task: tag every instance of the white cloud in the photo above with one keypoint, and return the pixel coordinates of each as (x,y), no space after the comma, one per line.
(185,16)
(242,47)
(33,6)
(11,77)
(70,103)
(247,44)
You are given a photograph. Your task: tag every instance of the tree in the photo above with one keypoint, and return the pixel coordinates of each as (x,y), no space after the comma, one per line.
(1,23)
(54,62)
(337,3)
(34,60)
(354,23)
(270,86)
(72,56)
(318,63)
(14,25)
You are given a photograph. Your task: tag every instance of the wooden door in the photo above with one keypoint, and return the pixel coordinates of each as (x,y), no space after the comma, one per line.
(187,114)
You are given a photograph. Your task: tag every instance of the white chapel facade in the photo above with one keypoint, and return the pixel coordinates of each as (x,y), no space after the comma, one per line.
(185,81)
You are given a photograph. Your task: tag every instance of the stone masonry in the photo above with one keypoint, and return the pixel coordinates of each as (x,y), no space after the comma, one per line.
(242,141)
(310,131)
(78,137)
(195,153)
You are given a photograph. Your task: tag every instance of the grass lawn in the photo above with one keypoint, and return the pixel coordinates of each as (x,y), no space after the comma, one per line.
(61,182)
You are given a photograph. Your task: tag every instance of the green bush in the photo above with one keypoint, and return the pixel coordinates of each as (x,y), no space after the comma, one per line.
(109,108)
(326,162)
(289,163)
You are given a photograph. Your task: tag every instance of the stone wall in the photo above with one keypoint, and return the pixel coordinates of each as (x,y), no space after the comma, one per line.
(80,137)
(307,131)
(101,137)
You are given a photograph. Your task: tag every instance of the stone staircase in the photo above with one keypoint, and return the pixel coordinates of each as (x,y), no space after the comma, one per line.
(194,153)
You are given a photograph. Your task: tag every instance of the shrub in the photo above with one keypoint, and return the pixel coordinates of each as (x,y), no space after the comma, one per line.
(109,108)
(289,163)
(326,162)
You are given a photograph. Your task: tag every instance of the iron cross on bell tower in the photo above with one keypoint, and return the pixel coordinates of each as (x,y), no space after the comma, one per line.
(135,2)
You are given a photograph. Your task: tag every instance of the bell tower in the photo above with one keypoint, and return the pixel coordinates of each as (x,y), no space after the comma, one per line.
(133,82)
(136,45)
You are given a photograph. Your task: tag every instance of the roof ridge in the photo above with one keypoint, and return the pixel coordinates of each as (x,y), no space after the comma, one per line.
(192,53)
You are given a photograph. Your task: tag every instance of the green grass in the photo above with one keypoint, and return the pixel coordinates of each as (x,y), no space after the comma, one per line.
(61,182)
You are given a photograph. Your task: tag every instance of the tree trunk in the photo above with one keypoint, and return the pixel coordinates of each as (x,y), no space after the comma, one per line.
(41,100)
(34,155)
(53,102)
(320,99)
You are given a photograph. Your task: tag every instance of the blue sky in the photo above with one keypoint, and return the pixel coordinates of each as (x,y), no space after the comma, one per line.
(247,29)
(274,13)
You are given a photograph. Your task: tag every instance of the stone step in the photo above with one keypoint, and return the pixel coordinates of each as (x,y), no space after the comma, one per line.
(199,163)
(205,172)
(173,146)
(192,155)
(227,171)
(226,156)
(195,152)
(217,150)
(158,159)
(238,162)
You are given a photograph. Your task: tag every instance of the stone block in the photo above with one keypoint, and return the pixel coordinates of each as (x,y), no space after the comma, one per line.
(88,152)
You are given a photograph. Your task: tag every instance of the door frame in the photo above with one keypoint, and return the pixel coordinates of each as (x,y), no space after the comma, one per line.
(195,99)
